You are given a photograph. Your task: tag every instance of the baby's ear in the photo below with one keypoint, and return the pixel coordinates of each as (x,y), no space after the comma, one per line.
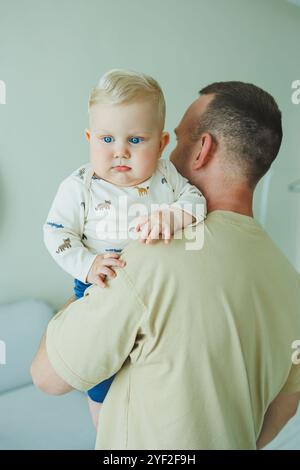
(164,140)
(87,134)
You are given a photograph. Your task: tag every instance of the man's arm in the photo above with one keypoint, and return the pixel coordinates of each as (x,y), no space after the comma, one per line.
(44,376)
(89,340)
(280,411)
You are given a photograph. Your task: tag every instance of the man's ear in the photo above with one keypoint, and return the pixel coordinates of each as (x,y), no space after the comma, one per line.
(87,134)
(164,140)
(203,150)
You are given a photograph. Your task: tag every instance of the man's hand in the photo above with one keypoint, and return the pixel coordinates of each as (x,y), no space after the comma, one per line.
(102,268)
(162,224)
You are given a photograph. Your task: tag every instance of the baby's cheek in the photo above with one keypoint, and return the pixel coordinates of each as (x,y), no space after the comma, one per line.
(94,152)
(98,156)
(148,162)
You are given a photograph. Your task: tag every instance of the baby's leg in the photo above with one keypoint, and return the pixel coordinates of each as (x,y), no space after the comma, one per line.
(97,396)
(94,408)
(70,301)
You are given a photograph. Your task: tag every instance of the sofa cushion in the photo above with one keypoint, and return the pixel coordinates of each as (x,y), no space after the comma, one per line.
(31,420)
(21,327)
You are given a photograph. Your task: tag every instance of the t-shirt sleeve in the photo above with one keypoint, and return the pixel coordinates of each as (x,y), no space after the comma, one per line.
(90,340)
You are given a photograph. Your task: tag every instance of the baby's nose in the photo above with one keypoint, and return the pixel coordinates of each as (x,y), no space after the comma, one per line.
(124,154)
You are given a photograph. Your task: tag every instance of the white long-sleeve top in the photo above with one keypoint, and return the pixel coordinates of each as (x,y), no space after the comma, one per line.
(90,216)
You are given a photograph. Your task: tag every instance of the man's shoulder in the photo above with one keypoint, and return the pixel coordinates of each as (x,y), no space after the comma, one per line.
(248,244)
(146,261)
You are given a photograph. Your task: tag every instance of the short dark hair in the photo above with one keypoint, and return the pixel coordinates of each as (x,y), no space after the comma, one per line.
(249,121)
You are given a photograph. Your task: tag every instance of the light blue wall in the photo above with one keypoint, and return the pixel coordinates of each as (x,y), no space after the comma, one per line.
(53,52)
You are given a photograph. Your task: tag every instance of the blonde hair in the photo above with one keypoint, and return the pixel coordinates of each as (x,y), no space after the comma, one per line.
(125,86)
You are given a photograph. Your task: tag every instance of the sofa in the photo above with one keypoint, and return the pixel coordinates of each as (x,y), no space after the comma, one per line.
(30,419)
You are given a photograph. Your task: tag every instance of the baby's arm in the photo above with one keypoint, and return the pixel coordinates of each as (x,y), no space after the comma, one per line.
(102,267)
(188,208)
(189,204)
(63,233)
(63,229)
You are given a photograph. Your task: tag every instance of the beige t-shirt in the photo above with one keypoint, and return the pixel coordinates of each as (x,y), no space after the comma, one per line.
(203,340)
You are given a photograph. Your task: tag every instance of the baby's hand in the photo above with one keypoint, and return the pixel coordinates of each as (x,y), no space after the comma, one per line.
(162,224)
(100,270)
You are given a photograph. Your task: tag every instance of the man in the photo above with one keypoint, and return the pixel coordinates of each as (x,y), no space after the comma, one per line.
(202,339)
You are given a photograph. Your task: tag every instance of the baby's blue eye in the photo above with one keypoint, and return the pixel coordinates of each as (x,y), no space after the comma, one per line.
(136,140)
(107,139)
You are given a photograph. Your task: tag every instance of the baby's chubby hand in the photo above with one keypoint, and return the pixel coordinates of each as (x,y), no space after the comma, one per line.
(162,224)
(102,268)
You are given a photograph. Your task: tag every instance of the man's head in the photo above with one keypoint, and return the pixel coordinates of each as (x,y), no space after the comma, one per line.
(127,115)
(234,126)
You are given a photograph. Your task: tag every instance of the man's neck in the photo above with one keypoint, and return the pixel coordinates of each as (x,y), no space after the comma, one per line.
(238,200)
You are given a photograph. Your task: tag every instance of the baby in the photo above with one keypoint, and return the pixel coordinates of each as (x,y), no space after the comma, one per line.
(82,232)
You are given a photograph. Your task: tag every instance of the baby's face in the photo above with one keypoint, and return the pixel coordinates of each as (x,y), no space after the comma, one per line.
(126,141)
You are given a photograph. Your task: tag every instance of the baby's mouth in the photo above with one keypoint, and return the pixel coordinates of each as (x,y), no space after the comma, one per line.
(121,168)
